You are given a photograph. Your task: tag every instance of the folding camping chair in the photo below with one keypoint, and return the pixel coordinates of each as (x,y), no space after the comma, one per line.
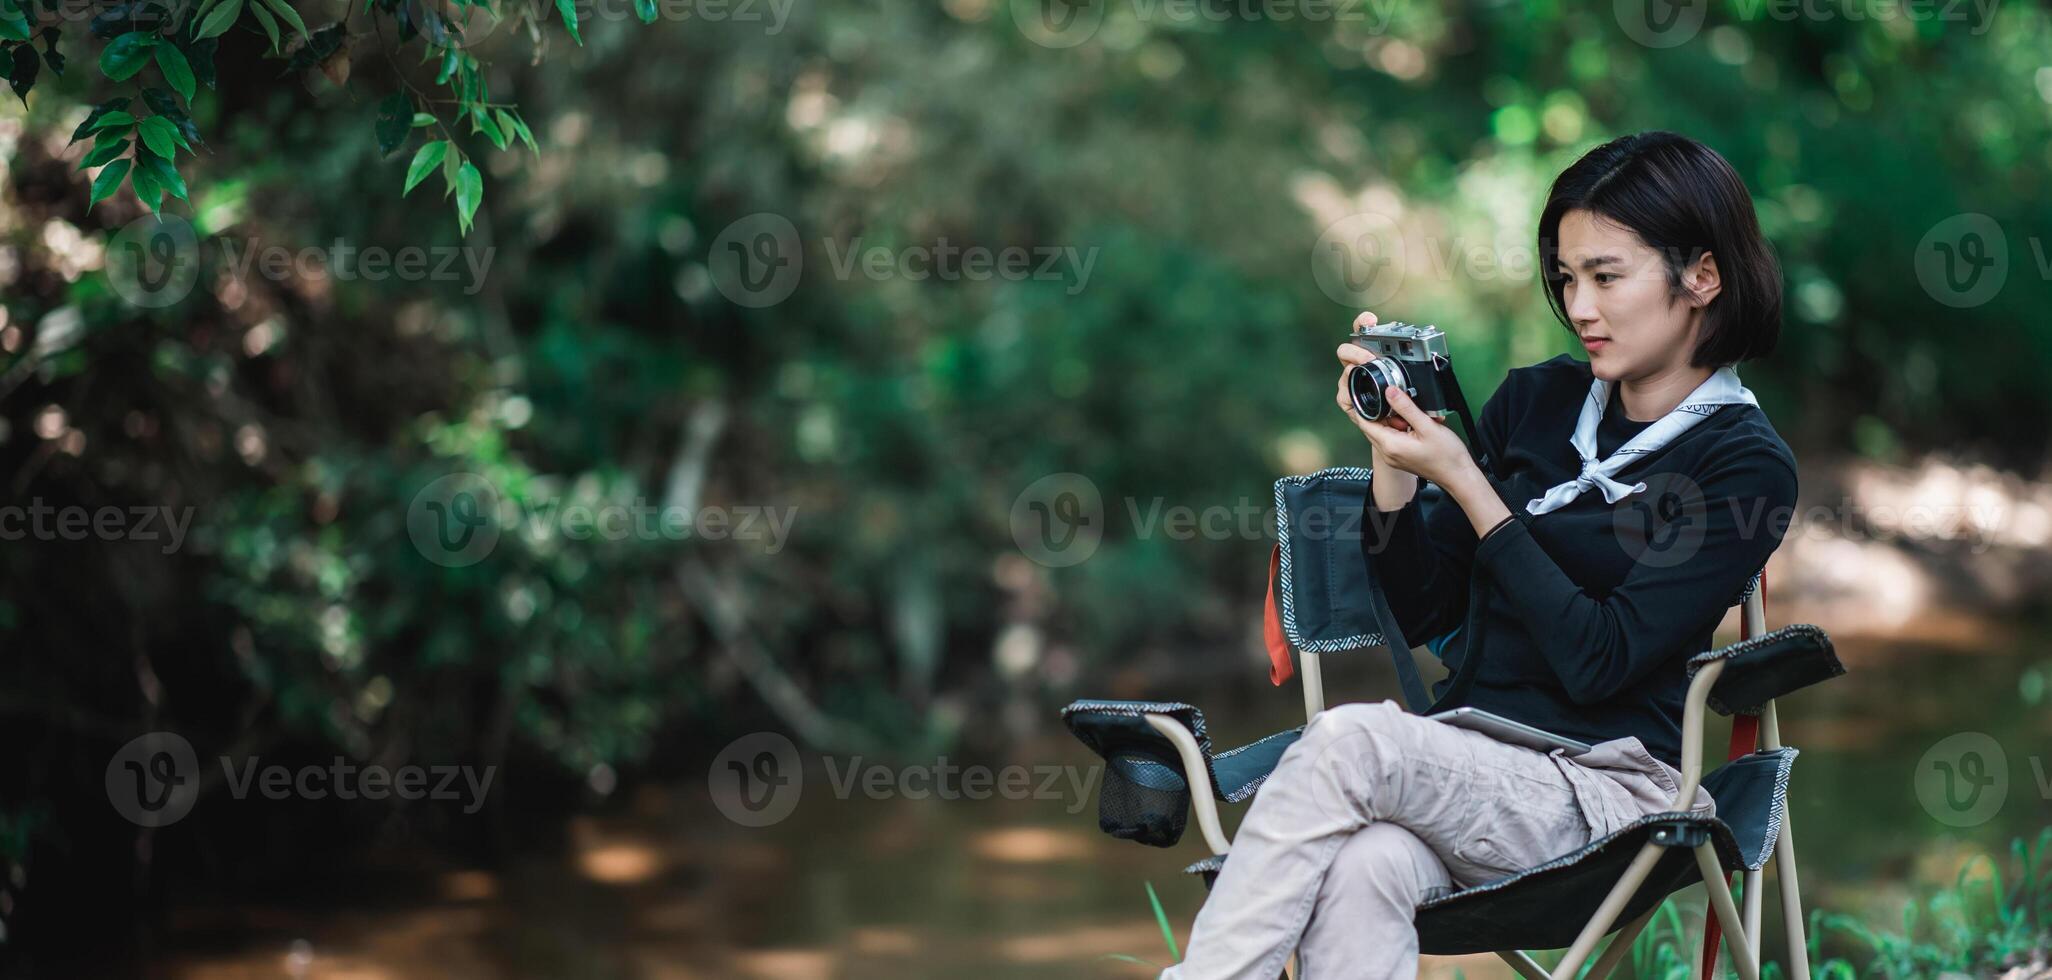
(1160,766)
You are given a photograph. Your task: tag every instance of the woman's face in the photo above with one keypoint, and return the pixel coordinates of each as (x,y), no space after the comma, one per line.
(1617,299)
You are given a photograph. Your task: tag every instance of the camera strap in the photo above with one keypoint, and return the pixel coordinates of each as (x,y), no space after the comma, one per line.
(1415,693)
(1463,678)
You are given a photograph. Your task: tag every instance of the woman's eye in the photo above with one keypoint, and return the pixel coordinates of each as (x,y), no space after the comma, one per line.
(1604,278)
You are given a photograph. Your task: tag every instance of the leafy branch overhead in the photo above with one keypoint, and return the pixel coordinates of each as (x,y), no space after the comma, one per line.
(164,51)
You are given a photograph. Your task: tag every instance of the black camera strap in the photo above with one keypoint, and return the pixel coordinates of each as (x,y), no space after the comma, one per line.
(1415,693)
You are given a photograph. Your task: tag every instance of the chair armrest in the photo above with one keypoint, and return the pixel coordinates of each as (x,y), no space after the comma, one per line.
(1199,775)
(1766,667)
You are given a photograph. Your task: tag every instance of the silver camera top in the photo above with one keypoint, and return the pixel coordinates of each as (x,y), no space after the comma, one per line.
(1403,341)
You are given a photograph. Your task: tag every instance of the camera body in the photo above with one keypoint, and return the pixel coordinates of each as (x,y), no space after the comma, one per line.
(1410,357)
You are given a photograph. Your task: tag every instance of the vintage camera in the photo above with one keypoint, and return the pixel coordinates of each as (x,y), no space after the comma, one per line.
(1410,357)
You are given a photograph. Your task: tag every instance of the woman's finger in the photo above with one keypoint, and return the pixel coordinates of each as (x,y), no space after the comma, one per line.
(1351,353)
(1365,319)
(1405,408)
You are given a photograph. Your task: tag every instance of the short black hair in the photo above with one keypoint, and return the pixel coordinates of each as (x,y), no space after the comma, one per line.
(1682,199)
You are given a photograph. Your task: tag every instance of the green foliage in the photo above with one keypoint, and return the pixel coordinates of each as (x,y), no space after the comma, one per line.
(141,33)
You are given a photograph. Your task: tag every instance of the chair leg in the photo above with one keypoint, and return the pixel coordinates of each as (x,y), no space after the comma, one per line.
(1526,966)
(1613,906)
(1755,882)
(1621,946)
(1727,912)
(1791,903)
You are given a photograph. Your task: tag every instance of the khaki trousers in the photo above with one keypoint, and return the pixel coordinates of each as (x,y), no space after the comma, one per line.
(1375,810)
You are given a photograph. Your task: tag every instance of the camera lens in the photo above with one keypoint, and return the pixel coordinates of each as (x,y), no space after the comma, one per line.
(1366,383)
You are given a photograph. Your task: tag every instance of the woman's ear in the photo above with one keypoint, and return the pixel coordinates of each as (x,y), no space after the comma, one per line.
(1702,281)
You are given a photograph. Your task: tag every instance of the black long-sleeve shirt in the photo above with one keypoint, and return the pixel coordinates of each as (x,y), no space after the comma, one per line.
(1593,609)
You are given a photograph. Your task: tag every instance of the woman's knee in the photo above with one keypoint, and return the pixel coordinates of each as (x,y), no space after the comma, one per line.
(1383,865)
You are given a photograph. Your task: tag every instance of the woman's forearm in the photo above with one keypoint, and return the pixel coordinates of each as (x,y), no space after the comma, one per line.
(1479,500)
(1392,487)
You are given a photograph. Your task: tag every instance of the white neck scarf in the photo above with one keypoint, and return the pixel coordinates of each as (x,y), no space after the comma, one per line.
(1721,388)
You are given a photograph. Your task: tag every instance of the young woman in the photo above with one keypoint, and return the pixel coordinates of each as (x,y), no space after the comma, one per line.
(1622,504)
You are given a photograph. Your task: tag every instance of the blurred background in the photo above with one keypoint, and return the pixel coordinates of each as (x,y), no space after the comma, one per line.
(856,384)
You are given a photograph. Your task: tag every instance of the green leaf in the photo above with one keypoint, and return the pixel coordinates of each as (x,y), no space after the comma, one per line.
(1168,935)
(127,54)
(646,10)
(218,20)
(395,120)
(14,25)
(481,120)
(21,73)
(423,119)
(449,164)
(111,120)
(108,181)
(270,26)
(160,170)
(148,189)
(177,71)
(92,120)
(469,193)
(288,15)
(424,163)
(160,136)
(568,8)
(104,151)
(512,124)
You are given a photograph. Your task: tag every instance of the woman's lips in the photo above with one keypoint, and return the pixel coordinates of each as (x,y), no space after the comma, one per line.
(1594,344)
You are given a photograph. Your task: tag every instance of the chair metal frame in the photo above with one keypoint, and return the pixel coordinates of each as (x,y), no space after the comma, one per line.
(1741,928)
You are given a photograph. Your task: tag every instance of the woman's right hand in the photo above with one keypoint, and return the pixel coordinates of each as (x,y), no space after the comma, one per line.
(1352,355)
(1396,487)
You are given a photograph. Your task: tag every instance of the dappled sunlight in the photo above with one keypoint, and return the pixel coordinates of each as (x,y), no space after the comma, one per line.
(791,964)
(1032,845)
(611,858)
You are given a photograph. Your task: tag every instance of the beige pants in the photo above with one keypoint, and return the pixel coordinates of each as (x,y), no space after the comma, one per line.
(1376,810)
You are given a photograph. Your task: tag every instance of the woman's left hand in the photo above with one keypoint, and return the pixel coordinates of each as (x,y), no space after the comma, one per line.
(1431,449)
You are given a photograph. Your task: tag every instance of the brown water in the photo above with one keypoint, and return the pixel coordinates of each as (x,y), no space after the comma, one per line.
(900,887)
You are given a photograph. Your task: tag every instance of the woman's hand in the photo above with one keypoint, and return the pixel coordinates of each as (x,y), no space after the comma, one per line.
(1409,439)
